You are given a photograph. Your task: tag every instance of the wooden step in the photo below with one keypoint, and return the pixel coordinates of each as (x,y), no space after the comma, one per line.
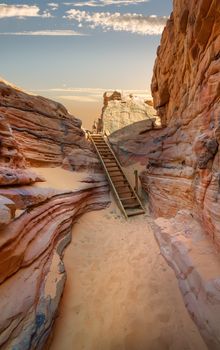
(105,153)
(124,193)
(112,171)
(132,206)
(123,177)
(106,150)
(134,212)
(121,184)
(127,198)
(112,167)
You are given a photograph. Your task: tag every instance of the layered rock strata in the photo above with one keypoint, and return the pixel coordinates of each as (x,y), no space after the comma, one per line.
(182,159)
(44,131)
(12,160)
(35,222)
(32,274)
(196,262)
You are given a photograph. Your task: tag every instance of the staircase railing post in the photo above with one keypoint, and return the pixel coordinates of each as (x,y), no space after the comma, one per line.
(136,187)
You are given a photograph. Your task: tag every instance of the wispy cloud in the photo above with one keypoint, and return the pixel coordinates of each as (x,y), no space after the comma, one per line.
(96,91)
(78,90)
(81,98)
(102,3)
(46,33)
(21,11)
(91,94)
(129,22)
(53,6)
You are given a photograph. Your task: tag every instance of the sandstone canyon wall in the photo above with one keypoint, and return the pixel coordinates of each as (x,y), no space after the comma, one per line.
(35,222)
(45,133)
(182,176)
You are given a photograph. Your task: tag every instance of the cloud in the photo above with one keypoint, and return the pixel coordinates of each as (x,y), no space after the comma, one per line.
(46,33)
(82,99)
(91,93)
(129,22)
(102,3)
(7,11)
(53,6)
(96,91)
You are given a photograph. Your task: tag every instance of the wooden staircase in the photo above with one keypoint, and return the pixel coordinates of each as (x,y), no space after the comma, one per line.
(125,195)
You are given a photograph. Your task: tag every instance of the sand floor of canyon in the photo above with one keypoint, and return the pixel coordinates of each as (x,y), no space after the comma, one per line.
(120,293)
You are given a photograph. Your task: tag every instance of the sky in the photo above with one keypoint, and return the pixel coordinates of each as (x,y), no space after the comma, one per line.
(73,51)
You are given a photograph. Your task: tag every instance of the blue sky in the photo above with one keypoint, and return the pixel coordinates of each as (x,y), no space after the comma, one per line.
(72,51)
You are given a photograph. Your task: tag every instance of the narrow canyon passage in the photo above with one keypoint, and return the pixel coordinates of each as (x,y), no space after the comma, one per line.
(120,293)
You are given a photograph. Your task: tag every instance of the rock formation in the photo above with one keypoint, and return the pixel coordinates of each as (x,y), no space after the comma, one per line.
(182,159)
(32,274)
(35,222)
(43,129)
(122,109)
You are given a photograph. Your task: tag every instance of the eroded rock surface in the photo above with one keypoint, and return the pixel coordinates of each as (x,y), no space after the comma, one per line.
(182,159)
(35,222)
(196,261)
(121,109)
(32,274)
(44,131)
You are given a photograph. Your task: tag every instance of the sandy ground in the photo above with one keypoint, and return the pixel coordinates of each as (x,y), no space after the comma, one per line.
(59,178)
(120,293)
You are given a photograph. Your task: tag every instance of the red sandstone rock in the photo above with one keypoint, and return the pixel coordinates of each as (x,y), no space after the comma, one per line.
(35,223)
(196,263)
(182,160)
(10,153)
(10,176)
(186,94)
(43,129)
(81,160)
(7,210)
(31,249)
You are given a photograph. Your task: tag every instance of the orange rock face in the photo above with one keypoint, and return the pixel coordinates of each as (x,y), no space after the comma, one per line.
(186,91)
(183,160)
(43,129)
(12,160)
(32,274)
(36,223)
(182,176)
